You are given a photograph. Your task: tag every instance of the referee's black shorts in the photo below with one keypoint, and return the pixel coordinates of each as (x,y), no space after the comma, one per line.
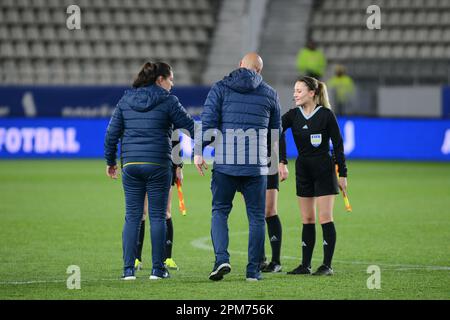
(273,182)
(316,176)
(174,175)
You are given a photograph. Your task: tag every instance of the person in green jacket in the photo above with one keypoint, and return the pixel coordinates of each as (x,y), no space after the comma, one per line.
(343,89)
(311,61)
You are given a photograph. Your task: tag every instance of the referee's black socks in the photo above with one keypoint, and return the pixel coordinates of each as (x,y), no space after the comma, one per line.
(169,238)
(140,241)
(308,242)
(329,242)
(275,235)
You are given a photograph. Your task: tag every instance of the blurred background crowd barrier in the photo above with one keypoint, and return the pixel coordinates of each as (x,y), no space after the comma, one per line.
(58,87)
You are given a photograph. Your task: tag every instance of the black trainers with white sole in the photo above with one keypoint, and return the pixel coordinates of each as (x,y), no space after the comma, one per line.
(272,267)
(323,270)
(263,264)
(301,269)
(219,271)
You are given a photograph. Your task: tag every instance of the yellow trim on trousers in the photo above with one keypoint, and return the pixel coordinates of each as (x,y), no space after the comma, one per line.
(126,164)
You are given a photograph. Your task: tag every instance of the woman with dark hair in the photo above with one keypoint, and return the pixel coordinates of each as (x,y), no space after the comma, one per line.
(143,121)
(313,124)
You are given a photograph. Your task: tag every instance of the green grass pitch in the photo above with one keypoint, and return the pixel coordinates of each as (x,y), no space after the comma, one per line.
(59,213)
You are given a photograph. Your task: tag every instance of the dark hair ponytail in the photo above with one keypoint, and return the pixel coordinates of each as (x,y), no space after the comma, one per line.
(150,72)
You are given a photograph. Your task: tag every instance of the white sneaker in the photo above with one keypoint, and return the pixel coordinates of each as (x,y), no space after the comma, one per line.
(257,277)
(164,276)
(129,278)
(252,279)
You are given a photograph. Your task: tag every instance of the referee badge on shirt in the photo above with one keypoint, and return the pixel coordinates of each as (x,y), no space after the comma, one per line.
(316,139)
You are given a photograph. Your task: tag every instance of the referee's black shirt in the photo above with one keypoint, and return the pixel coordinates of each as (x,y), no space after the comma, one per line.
(312,134)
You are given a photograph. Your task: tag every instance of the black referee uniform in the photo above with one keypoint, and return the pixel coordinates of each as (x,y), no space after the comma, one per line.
(315,173)
(315,168)
(273,179)
(274,228)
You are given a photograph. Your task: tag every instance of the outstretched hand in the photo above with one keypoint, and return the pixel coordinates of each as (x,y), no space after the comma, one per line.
(343,185)
(200,164)
(179,175)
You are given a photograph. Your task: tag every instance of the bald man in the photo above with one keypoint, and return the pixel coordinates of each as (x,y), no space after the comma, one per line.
(252,61)
(242,109)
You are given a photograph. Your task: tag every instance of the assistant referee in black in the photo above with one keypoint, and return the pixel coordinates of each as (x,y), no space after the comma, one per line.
(313,124)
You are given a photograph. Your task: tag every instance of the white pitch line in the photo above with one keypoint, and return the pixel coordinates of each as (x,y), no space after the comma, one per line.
(30,282)
(201,243)
(51,281)
(139,279)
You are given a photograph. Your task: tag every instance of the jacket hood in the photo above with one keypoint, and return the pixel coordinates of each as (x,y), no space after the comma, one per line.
(144,99)
(243,80)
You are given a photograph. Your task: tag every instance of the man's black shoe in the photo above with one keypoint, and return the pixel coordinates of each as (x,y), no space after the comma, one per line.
(219,271)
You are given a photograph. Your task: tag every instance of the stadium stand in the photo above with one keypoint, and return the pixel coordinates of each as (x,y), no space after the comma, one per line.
(238,31)
(285,31)
(116,37)
(203,40)
(412,46)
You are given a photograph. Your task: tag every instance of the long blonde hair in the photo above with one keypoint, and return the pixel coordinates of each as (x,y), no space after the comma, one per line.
(320,90)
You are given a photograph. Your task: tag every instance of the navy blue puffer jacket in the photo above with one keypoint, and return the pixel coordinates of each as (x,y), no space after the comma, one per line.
(143,122)
(241,102)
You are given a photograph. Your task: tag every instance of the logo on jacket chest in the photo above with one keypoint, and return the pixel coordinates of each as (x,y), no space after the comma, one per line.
(316,139)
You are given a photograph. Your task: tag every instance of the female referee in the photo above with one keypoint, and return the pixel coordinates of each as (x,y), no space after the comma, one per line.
(313,124)
(143,121)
